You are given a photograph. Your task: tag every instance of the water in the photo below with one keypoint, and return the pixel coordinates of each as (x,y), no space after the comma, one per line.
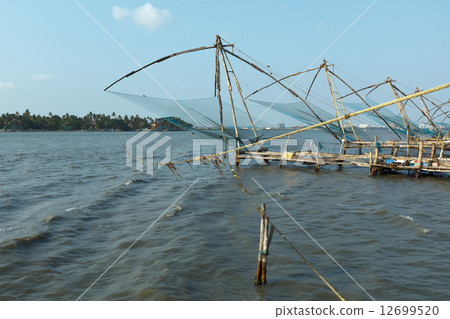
(69,207)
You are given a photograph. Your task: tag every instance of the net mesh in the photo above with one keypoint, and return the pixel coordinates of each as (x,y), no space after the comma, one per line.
(203,114)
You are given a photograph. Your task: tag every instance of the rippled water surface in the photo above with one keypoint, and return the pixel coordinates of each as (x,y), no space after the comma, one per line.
(69,207)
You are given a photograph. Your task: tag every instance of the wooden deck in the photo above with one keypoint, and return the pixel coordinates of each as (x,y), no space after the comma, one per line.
(431,155)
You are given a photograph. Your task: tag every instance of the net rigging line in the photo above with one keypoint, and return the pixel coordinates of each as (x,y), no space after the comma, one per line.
(218,161)
(319,98)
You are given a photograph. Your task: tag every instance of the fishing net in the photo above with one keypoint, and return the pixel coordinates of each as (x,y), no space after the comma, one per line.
(394,120)
(203,115)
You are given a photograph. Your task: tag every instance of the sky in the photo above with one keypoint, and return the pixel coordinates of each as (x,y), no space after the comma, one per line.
(55,58)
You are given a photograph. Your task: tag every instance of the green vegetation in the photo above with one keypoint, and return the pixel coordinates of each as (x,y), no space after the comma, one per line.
(89,122)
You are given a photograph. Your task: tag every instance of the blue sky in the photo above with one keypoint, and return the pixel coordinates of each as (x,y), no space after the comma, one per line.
(54,58)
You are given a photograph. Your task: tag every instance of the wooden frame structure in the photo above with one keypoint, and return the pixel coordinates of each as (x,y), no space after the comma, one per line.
(379,157)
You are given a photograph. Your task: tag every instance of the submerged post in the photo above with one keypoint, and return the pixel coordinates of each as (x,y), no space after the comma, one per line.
(266,233)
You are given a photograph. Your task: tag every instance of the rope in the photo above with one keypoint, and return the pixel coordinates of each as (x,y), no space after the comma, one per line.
(263,252)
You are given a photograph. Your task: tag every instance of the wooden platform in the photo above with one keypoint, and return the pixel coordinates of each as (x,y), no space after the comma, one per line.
(379,157)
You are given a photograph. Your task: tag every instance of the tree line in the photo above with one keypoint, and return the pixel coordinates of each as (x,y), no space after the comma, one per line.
(89,122)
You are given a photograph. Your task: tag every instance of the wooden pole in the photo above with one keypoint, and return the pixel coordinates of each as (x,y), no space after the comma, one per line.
(227,76)
(395,151)
(433,150)
(285,87)
(265,250)
(266,233)
(219,98)
(375,160)
(260,247)
(284,78)
(419,159)
(324,63)
(441,153)
(427,114)
(161,60)
(238,86)
(269,229)
(336,109)
(401,109)
(407,149)
(282,159)
(376,149)
(364,101)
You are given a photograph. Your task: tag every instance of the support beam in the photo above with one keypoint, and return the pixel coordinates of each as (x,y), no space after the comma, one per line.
(217,92)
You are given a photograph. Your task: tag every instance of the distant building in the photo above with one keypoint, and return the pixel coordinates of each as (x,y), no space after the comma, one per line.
(281,125)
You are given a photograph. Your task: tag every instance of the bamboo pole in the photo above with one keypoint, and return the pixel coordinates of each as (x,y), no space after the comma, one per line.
(438,107)
(317,167)
(265,237)
(395,151)
(260,247)
(285,152)
(364,101)
(161,60)
(427,113)
(336,109)
(217,91)
(376,150)
(441,153)
(401,109)
(227,76)
(264,252)
(284,78)
(324,64)
(288,89)
(342,103)
(433,151)
(419,159)
(421,111)
(238,86)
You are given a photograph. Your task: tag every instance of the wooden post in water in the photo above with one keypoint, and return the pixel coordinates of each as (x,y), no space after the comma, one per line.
(266,233)
(395,151)
(433,151)
(260,247)
(419,159)
(236,159)
(264,251)
(375,160)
